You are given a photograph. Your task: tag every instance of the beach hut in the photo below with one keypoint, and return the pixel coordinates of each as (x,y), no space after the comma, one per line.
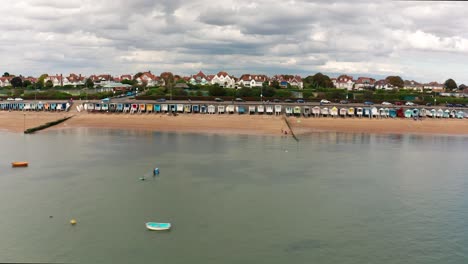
(119,107)
(20,106)
(433,113)
(269,109)
(211,109)
(367,112)
(408,113)
(278,109)
(230,109)
(53,107)
(180,108)
(126,108)
(40,106)
(415,112)
(172,108)
(400,112)
(297,111)
(88,106)
(343,112)
(203,109)
(260,109)
(221,109)
(251,109)
(392,113)
(316,111)
(334,111)
(157,108)
(382,112)
(141,108)
(105,107)
(97,107)
(423,112)
(164,108)
(149,108)
(27,107)
(133,108)
(196,108)
(112,107)
(240,109)
(188,108)
(460,114)
(375,112)
(289,110)
(306,111)
(440,113)
(359,111)
(324,111)
(453,113)
(446,113)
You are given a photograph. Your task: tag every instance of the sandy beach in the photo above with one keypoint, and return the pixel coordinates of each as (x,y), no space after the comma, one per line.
(232,124)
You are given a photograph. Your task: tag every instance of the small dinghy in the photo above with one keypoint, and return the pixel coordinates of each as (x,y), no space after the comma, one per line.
(19,164)
(158,226)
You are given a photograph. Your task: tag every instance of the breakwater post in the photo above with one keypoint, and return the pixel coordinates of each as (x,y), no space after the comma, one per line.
(46,125)
(290,128)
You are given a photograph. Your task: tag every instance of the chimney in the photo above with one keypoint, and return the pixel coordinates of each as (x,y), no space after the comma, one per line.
(61,80)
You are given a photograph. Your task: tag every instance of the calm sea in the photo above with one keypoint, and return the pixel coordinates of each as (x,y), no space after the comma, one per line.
(331,198)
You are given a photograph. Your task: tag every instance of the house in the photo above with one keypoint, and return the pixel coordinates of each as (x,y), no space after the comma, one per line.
(413,85)
(344,82)
(252,80)
(57,80)
(434,87)
(5,81)
(150,79)
(285,80)
(199,79)
(75,79)
(224,80)
(364,83)
(31,79)
(102,79)
(383,85)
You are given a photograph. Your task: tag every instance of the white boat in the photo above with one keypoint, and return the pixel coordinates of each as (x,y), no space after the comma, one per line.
(154,226)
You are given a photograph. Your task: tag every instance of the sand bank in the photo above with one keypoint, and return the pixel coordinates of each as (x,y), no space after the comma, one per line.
(232,124)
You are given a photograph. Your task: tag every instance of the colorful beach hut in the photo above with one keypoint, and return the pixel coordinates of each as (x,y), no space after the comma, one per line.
(316,111)
(251,109)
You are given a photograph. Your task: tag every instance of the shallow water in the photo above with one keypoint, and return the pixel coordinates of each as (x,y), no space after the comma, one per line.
(331,198)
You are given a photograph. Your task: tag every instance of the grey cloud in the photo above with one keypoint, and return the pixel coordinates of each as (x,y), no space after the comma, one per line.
(263,36)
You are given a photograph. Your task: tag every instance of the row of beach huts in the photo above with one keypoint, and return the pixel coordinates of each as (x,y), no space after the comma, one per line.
(307,111)
(35,106)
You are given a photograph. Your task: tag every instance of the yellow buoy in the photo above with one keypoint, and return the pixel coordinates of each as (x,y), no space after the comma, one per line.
(73,222)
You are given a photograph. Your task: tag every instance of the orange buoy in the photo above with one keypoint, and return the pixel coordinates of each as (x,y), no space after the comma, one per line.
(19,164)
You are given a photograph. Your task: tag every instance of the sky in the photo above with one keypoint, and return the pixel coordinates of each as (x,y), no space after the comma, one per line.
(420,40)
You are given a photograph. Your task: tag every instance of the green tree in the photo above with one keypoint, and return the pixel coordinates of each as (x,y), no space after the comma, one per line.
(89,83)
(244,92)
(318,80)
(395,81)
(130,82)
(40,81)
(49,84)
(6,74)
(27,83)
(216,90)
(16,82)
(268,92)
(275,84)
(450,84)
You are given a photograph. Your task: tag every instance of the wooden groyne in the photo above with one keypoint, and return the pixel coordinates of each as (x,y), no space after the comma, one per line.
(290,128)
(46,125)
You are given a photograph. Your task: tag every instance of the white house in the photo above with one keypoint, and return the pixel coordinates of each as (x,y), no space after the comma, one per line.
(5,81)
(199,78)
(344,82)
(363,83)
(252,80)
(383,85)
(224,80)
(148,78)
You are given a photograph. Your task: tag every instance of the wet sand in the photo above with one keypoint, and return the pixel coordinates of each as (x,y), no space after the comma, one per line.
(232,124)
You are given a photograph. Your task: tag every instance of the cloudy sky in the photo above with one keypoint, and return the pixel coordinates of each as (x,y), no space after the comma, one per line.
(425,41)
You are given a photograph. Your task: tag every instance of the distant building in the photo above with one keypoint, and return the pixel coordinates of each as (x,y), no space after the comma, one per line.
(252,80)
(434,87)
(285,80)
(364,83)
(223,79)
(344,82)
(199,79)
(413,85)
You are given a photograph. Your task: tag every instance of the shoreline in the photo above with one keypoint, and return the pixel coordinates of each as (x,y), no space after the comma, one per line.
(17,122)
